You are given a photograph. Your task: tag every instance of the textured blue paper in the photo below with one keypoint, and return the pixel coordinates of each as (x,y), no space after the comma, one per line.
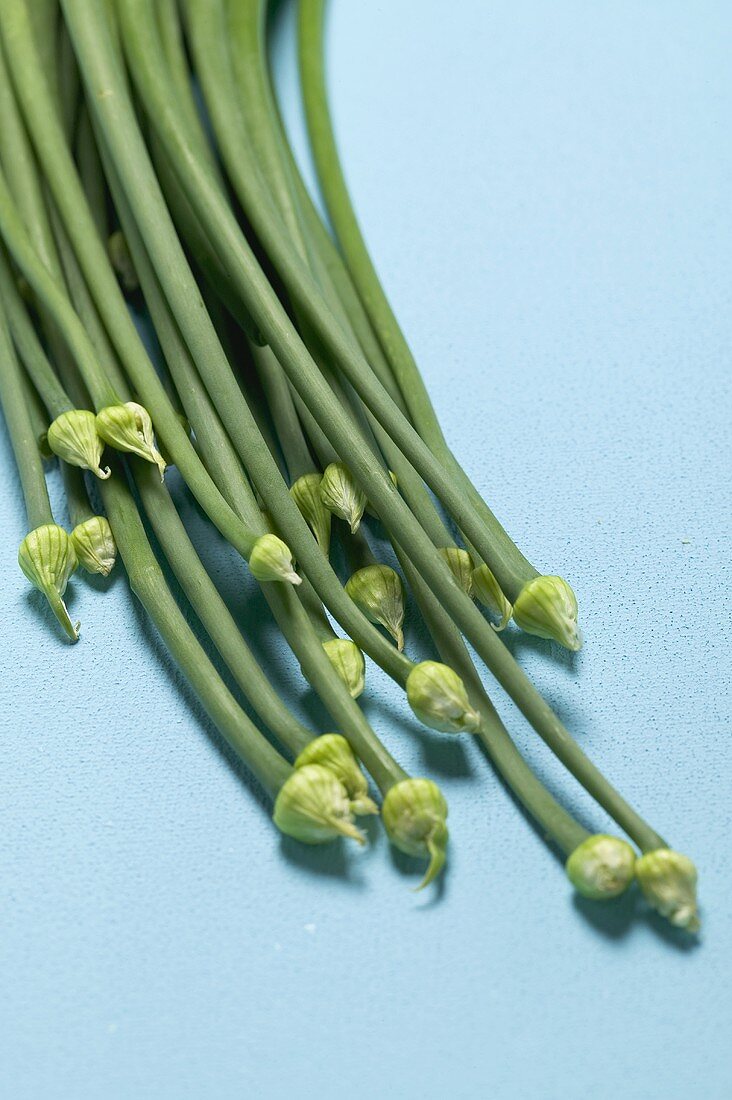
(546,188)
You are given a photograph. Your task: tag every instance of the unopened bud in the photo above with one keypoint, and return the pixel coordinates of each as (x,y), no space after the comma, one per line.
(129,428)
(668,882)
(48,559)
(73,437)
(341,495)
(313,807)
(378,591)
(601,867)
(306,494)
(415,817)
(438,697)
(547,607)
(271,560)
(347,660)
(460,564)
(487,589)
(333,752)
(94,545)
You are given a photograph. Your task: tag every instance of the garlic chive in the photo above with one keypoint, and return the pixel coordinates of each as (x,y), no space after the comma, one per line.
(460,564)
(94,545)
(48,559)
(601,867)
(378,591)
(438,697)
(668,881)
(414,813)
(347,659)
(547,607)
(128,427)
(73,436)
(271,560)
(487,590)
(341,495)
(306,494)
(313,807)
(333,752)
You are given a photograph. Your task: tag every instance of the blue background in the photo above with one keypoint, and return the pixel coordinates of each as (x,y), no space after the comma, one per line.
(546,191)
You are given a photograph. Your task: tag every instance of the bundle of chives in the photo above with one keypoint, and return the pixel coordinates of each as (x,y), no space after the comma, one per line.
(339,405)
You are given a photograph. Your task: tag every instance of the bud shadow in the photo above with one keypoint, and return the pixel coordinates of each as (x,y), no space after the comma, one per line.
(674,937)
(331,860)
(519,642)
(410,866)
(444,754)
(613,918)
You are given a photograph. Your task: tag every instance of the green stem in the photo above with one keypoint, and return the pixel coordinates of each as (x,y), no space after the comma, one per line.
(77,498)
(20,430)
(212,610)
(149,585)
(514,569)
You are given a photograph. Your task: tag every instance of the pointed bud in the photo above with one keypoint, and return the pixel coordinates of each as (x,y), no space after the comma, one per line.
(306,494)
(333,752)
(271,560)
(487,589)
(94,545)
(668,882)
(438,697)
(601,867)
(378,591)
(48,559)
(347,660)
(460,565)
(547,607)
(415,817)
(128,427)
(73,437)
(121,260)
(341,495)
(313,807)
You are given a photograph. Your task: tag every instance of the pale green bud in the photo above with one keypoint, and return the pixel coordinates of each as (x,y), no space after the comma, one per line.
(306,494)
(668,882)
(341,495)
(415,817)
(601,867)
(122,262)
(128,427)
(333,752)
(48,559)
(547,607)
(94,545)
(313,806)
(438,697)
(271,560)
(460,565)
(347,660)
(487,589)
(73,437)
(378,591)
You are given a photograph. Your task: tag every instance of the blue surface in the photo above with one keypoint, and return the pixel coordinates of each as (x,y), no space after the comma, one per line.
(546,190)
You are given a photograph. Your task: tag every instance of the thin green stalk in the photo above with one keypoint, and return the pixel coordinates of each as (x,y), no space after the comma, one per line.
(60,172)
(213,612)
(77,498)
(21,432)
(92,51)
(149,585)
(513,569)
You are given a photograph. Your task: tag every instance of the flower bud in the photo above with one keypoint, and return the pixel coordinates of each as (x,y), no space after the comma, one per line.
(271,560)
(460,564)
(668,882)
(128,427)
(94,545)
(378,591)
(341,495)
(333,752)
(73,437)
(306,494)
(313,806)
(547,607)
(487,589)
(347,660)
(414,815)
(48,559)
(438,697)
(122,262)
(601,867)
